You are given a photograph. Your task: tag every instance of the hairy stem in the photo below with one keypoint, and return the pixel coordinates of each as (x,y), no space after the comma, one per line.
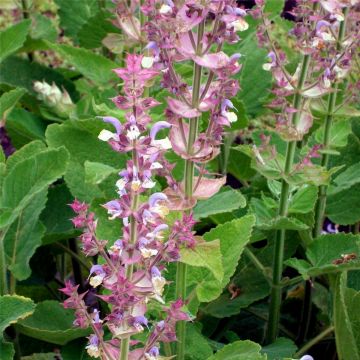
(189,177)
(3,274)
(276,289)
(124,350)
(321,203)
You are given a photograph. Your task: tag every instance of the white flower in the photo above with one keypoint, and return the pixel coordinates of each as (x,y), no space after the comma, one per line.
(163,144)
(258,155)
(155,165)
(158,283)
(147,62)
(120,184)
(267,66)
(106,135)
(231,116)
(148,184)
(147,253)
(133,133)
(93,350)
(240,25)
(165,9)
(97,280)
(135,185)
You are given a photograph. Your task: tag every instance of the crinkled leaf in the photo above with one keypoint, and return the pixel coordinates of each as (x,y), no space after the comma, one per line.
(43,28)
(96,172)
(239,350)
(222,202)
(8,100)
(52,323)
(93,66)
(339,132)
(281,348)
(205,254)
(12,38)
(304,200)
(14,308)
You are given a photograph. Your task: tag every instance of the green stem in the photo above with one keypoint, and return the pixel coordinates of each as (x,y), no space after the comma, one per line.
(315,340)
(3,267)
(189,176)
(125,343)
(276,288)
(321,203)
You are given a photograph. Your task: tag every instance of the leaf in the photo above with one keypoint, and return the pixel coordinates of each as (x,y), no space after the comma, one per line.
(204,254)
(42,28)
(12,38)
(304,200)
(222,202)
(24,126)
(52,323)
(95,30)
(96,172)
(239,350)
(7,350)
(19,72)
(93,66)
(90,148)
(40,356)
(342,207)
(324,250)
(233,236)
(339,132)
(284,223)
(30,177)
(280,349)
(8,100)
(14,308)
(345,180)
(25,152)
(57,214)
(197,347)
(346,304)
(74,14)
(24,237)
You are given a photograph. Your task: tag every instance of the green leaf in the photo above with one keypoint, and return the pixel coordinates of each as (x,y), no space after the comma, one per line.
(24,237)
(12,38)
(25,152)
(342,207)
(222,202)
(40,356)
(30,177)
(345,180)
(197,347)
(346,304)
(24,126)
(233,236)
(42,28)
(339,132)
(18,72)
(96,172)
(280,349)
(80,139)
(8,100)
(57,214)
(239,350)
(74,14)
(304,200)
(324,250)
(93,66)
(7,350)
(14,308)
(284,223)
(205,254)
(95,30)
(52,323)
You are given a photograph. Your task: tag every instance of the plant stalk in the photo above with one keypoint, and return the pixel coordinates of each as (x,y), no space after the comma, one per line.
(3,268)
(321,203)
(189,176)
(125,343)
(276,290)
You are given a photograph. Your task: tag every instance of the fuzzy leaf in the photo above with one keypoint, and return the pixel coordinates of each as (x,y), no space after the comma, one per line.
(8,100)
(12,38)
(221,202)
(95,172)
(13,308)
(239,350)
(205,254)
(93,66)
(52,323)
(280,349)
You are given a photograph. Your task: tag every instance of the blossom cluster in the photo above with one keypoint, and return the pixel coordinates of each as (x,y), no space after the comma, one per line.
(132,272)
(320,33)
